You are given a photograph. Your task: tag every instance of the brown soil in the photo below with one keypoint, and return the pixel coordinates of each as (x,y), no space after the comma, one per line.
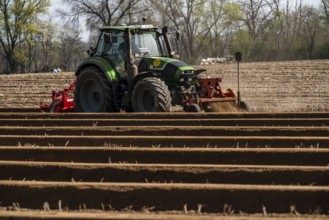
(174,165)
(133,155)
(163,173)
(167,196)
(105,163)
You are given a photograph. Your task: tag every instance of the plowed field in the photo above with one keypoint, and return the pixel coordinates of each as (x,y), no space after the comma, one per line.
(257,165)
(250,165)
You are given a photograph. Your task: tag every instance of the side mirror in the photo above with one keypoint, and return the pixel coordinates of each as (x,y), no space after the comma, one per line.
(91,51)
(238,56)
(165,30)
(107,38)
(177,35)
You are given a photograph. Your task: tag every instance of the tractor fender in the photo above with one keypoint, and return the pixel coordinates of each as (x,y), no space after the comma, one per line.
(103,64)
(140,76)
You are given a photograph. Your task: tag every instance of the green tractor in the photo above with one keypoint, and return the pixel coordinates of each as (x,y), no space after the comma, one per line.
(133,69)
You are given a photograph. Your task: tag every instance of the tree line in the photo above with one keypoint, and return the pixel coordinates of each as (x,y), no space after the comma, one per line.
(263,30)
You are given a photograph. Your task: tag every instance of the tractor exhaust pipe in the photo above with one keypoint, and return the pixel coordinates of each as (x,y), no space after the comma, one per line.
(131,68)
(238,58)
(166,40)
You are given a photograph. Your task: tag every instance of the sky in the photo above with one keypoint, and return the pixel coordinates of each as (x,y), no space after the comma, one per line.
(313,2)
(57,4)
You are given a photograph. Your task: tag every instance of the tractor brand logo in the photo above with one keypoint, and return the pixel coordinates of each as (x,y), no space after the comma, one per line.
(156,62)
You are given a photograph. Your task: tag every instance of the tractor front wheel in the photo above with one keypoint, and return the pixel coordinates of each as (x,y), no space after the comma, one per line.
(151,94)
(93,93)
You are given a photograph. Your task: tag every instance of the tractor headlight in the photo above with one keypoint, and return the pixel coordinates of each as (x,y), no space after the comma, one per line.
(187,79)
(188,72)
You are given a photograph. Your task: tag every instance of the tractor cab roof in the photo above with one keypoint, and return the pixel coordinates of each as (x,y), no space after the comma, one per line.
(130,27)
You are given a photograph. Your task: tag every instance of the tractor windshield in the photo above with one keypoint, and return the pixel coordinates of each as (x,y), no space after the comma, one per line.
(146,44)
(112,45)
(143,43)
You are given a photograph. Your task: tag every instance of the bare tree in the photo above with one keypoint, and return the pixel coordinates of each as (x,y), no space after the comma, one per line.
(217,23)
(195,19)
(284,29)
(69,46)
(105,12)
(325,4)
(310,28)
(45,39)
(256,16)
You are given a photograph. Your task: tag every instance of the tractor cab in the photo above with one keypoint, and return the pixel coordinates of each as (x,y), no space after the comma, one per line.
(142,45)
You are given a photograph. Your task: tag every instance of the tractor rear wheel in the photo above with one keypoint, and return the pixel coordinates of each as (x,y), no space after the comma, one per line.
(151,94)
(92,92)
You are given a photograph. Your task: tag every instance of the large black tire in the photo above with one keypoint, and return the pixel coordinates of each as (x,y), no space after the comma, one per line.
(93,93)
(151,94)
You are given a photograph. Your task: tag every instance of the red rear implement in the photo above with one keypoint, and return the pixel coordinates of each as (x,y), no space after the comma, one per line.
(62,101)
